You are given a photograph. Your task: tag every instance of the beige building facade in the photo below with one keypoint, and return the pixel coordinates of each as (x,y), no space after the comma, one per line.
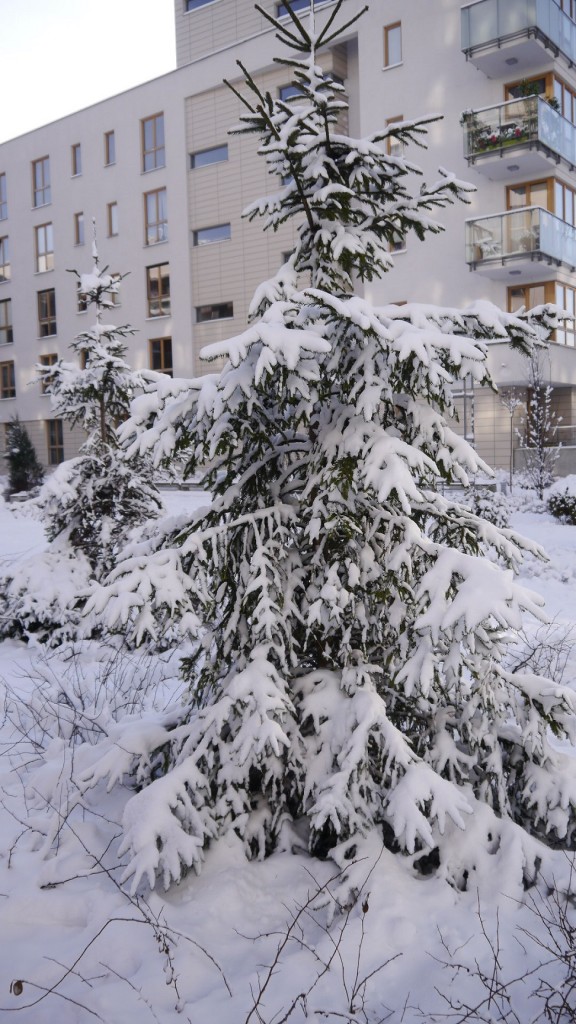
(166,184)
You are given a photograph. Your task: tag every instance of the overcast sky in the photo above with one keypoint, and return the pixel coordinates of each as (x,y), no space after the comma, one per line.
(58,56)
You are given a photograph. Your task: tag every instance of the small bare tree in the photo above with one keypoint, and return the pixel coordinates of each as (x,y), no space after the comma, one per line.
(540,425)
(511,400)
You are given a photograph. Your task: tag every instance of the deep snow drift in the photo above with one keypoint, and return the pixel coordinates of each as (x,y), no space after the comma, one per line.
(244,942)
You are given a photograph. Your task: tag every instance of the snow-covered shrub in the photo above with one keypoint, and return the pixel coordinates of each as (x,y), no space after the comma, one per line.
(42,597)
(490,505)
(563,506)
(561,500)
(348,672)
(64,709)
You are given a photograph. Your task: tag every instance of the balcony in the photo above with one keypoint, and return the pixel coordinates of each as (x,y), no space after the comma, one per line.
(528,243)
(498,35)
(521,136)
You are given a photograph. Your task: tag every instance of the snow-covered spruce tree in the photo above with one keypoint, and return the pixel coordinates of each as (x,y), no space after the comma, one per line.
(24,470)
(91,502)
(349,673)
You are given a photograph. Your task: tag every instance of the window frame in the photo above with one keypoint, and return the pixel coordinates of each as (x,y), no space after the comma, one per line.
(3,196)
(197,243)
(109,148)
(213,305)
(296,5)
(193,157)
(54,444)
(392,143)
(47,359)
(41,187)
(157,148)
(76,154)
(162,296)
(6,324)
(289,92)
(388,30)
(47,321)
(48,253)
(7,379)
(529,186)
(5,267)
(565,335)
(164,343)
(159,226)
(81,300)
(79,236)
(112,218)
(196,5)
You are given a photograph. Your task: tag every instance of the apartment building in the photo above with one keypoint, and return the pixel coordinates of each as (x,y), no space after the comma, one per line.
(166,184)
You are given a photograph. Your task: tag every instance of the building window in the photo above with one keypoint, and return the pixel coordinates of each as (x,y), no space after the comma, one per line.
(109,148)
(113,295)
(193,5)
(204,157)
(569,8)
(217,311)
(565,202)
(46,313)
(392,44)
(47,378)
(7,380)
(161,355)
(44,248)
(112,217)
(565,298)
(81,299)
(3,198)
(76,160)
(296,5)
(153,151)
(6,332)
(529,295)
(158,290)
(78,229)
(394,146)
(287,92)
(532,193)
(565,99)
(156,216)
(55,442)
(5,269)
(41,192)
(217,233)
(397,243)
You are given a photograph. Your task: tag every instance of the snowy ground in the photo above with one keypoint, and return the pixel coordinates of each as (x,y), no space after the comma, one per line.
(247,942)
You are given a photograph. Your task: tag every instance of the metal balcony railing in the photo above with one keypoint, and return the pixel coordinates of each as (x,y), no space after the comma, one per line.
(492,22)
(529,233)
(528,122)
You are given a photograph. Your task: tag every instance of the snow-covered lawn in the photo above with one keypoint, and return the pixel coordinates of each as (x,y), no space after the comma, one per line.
(243,942)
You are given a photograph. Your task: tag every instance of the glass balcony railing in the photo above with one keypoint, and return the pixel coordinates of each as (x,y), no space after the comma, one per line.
(526,233)
(529,122)
(489,22)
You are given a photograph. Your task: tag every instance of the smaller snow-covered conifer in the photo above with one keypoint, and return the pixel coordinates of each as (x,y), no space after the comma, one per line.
(25,471)
(93,501)
(90,503)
